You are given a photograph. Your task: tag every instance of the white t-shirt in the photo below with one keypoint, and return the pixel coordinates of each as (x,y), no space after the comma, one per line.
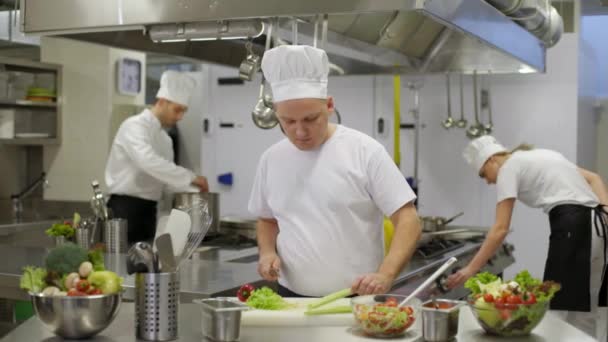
(543,179)
(329,204)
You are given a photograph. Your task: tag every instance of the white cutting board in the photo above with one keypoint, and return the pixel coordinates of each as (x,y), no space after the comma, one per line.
(296,317)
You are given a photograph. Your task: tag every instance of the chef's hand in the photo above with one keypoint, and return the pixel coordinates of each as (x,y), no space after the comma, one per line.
(373,283)
(201,183)
(269,266)
(460,277)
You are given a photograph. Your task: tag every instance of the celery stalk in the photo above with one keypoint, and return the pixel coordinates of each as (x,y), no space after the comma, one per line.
(329,298)
(331,310)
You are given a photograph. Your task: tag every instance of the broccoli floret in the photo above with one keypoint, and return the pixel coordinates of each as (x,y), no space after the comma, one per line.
(66,258)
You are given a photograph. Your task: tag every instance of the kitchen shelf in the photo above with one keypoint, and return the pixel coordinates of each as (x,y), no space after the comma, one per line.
(30,141)
(26,103)
(34,116)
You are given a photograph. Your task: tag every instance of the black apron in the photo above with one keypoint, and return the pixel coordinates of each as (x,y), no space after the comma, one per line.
(140,215)
(569,256)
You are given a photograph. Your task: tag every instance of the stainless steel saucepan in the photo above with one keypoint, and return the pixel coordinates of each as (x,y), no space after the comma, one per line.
(436,223)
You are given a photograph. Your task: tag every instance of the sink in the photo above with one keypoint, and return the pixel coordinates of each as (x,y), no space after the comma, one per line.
(207,253)
(26,234)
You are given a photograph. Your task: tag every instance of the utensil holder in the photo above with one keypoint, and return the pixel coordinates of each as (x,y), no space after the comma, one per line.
(83,239)
(60,241)
(156,306)
(115,236)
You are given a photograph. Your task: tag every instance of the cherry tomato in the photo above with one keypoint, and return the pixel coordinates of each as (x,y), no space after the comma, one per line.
(488,298)
(93,291)
(505,314)
(531,298)
(499,303)
(82,285)
(513,299)
(75,293)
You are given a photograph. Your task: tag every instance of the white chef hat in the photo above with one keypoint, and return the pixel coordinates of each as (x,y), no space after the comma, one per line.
(296,72)
(480,150)
(176,87)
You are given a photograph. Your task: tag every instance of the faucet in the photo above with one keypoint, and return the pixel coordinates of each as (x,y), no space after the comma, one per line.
(17,199)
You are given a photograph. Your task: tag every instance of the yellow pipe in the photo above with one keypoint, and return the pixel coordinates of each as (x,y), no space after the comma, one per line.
(397,119)
(388,225)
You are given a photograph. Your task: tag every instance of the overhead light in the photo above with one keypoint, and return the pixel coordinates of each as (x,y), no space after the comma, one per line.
(524,69)
(207,30)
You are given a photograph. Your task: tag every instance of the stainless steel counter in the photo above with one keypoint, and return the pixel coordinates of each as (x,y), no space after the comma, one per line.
(199,278)
(122,329)
(212,275)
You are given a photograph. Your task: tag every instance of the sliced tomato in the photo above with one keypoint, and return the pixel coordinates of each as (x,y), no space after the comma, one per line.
(391,301)
(505,314)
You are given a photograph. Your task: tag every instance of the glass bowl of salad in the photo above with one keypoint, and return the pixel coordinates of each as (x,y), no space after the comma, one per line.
(507,319)
(380,316)
(512,308)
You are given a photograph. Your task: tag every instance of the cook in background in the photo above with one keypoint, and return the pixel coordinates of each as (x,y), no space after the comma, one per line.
(141,164)
(575,200)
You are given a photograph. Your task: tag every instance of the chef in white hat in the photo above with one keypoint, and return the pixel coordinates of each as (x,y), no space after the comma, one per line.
(574,199)
(321,193)
(141,163)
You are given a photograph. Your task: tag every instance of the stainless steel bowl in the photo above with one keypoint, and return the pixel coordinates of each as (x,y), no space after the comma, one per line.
(76,317)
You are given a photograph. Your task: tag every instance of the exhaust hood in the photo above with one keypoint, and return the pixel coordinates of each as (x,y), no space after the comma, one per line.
(364,37)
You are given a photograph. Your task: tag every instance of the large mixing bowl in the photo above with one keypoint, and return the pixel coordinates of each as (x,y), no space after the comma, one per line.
(76,317)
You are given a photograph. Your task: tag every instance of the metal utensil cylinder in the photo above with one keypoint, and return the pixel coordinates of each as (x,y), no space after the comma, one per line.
(59,241)
(82,238)
(156,306)
(115,236)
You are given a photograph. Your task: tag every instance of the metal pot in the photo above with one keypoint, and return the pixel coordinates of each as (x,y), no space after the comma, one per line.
(436,223)
(250,66)
(187,200)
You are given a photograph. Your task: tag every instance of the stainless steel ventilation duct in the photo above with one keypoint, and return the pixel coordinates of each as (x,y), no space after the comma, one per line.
(365,37)
(536,16)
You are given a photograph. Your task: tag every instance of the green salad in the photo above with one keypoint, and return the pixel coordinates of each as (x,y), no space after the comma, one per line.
(510,308)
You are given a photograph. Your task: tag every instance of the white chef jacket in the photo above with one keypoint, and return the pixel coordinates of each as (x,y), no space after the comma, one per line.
(329,204)
(141,160)
(543,179)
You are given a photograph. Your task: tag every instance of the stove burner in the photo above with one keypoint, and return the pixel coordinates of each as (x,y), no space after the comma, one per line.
(437,247)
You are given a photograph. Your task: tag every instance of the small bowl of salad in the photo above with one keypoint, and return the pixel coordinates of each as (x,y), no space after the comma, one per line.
(512,308)
(380,316)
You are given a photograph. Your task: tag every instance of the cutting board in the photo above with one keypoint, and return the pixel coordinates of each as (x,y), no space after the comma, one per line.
(295,316)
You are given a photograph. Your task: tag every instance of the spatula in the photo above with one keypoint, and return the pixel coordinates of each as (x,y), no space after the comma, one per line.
(165,253)
(427,282)
(178,225)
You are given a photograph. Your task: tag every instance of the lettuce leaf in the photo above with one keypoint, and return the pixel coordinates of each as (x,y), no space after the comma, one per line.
(480,278)
(266,299)
(545,291)
(59,229)
(526,281)
(32,279)
(96,258)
